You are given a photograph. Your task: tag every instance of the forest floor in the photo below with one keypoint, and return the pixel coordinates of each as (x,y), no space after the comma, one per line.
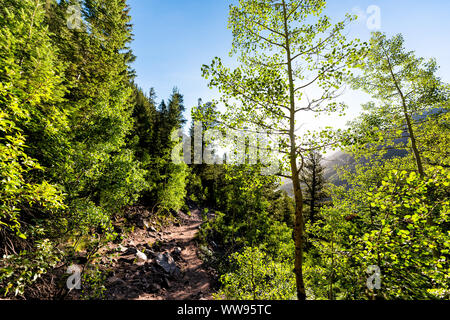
(173,269)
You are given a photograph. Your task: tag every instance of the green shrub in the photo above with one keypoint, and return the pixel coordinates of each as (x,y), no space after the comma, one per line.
(257,277)
(19,271)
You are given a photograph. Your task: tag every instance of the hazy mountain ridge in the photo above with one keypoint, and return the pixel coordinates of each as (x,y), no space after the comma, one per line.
(341,159)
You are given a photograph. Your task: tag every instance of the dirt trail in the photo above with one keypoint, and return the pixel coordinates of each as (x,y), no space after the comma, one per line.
(190,279)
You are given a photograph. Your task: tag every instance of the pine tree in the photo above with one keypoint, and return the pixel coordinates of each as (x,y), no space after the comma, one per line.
(176,110)
(313,178)
(204,118)
(171,190)
(99,173)
(145,116)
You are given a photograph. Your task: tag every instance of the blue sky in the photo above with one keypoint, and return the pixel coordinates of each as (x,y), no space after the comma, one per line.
(174,38)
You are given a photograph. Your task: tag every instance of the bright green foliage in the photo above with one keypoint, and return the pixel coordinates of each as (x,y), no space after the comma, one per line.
(253,230)
(29,89)
(393,211)
(258,277)
(406,90)
(249,207)
(172,193)
(410,240)
(282,208)
(388,65)
(19,271)
(66,106)
(268,44)
(93,285)
(16,192)
(169,178)
(98,172)
(151,139)
(284,48)
(80,142)
(434,137)
(30,93)
(123,183)
(401,226)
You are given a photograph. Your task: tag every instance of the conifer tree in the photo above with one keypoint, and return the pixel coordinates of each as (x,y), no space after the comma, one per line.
(313,177)
(144,116)
(98,172)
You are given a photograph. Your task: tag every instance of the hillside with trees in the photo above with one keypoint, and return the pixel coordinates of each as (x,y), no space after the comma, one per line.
(104,180)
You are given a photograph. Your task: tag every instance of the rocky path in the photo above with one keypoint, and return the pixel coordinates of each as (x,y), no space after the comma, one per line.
(151,265)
